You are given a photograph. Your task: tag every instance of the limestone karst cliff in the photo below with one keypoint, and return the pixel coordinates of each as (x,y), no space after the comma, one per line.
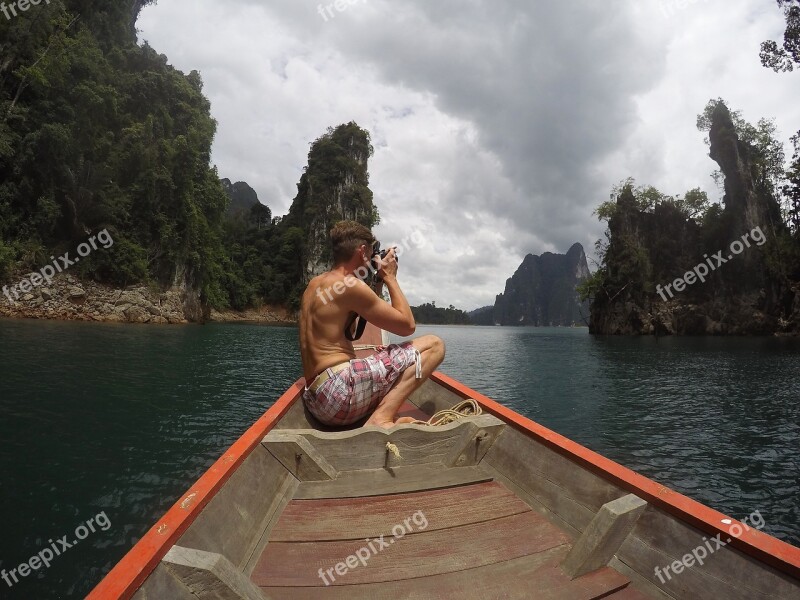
(334,187)
(749,289)
(542,291)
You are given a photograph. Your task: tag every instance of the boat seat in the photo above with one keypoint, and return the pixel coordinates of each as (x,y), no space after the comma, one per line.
(315,455)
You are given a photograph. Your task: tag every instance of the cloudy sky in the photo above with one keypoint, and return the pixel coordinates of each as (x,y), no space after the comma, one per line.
(498,125)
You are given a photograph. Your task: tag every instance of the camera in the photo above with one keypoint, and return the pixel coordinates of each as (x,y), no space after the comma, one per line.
(376,251)
(377,256)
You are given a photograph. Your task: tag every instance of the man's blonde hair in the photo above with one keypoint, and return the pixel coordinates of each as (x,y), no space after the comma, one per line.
(346,237)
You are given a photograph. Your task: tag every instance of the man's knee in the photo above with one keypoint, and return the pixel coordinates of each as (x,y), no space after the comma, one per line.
(431,345)
(440,347)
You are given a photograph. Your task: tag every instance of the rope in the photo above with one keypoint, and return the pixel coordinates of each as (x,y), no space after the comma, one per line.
(390,447)
(466,408)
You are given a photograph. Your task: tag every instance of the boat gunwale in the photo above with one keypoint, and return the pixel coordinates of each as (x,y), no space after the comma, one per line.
(139,562)
(765,548)
(127,576)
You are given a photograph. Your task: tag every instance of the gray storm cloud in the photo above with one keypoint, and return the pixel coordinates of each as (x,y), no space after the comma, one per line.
(498,125)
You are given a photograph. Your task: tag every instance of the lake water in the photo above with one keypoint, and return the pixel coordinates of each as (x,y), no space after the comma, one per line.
(112,423)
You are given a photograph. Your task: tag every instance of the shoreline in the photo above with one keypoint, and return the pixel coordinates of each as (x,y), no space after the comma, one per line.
(66,298)
(269,315)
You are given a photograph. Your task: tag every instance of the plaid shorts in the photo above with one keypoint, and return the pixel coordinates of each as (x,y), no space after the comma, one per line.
(356,391)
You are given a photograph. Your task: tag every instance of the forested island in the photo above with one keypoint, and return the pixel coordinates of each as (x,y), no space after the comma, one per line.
(430,314)
(684,265)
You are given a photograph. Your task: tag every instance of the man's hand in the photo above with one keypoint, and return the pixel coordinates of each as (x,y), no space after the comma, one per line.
(388,266)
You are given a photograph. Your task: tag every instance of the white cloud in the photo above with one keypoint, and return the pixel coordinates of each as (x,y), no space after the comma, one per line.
(498,126)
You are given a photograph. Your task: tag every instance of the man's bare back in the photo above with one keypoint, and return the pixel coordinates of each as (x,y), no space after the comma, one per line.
(322,325)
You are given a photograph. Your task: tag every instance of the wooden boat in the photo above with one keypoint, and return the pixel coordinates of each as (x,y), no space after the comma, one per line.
(490,506)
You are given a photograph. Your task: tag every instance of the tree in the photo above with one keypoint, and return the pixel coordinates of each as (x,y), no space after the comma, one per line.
(99,132)
(791,191)
(694,203)
(260,216)
(646,198)
(784,57)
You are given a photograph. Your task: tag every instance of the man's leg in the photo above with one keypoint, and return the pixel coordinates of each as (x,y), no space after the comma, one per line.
(431,349)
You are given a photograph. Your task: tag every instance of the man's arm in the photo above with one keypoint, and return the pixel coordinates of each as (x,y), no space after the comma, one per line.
(395,318)
(399,302)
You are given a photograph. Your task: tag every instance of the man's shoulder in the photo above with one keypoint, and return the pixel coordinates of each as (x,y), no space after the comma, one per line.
(322,281)
(319,279)
(330,286)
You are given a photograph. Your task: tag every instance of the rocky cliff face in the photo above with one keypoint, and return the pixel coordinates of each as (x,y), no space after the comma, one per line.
(482,316)
(67,298)
(136,8)
(748,204)
(542,291)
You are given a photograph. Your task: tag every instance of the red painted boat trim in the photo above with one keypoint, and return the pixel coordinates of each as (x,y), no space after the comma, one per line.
(129,574)
(759,545)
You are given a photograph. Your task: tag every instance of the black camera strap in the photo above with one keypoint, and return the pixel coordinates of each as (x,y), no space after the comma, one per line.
(362,324)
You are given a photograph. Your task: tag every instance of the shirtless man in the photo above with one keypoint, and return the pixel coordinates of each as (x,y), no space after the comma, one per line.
(341,389)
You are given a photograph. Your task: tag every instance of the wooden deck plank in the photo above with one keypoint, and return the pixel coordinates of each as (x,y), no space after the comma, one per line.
(392,480)
(535,576)
(553,584)
(628,593)
(418,555)
(413,411)
(358,518)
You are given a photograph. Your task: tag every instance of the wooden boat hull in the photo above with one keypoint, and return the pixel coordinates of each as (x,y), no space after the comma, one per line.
(521,510)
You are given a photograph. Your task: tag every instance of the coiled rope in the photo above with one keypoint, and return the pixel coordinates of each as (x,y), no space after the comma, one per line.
(466,408)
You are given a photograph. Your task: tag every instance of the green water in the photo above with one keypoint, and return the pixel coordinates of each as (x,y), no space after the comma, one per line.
(121,420)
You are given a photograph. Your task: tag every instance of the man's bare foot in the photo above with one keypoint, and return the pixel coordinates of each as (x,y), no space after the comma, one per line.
(390,424)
